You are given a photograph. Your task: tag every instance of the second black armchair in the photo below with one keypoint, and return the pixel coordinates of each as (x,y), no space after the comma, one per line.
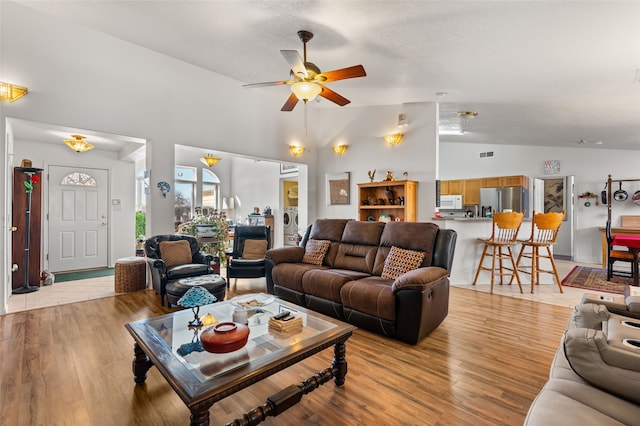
(250,243)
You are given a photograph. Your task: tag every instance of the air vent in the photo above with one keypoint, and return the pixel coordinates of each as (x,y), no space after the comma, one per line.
(486,154)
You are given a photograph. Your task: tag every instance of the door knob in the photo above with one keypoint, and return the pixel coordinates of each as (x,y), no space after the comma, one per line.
(13,228)
(104,224)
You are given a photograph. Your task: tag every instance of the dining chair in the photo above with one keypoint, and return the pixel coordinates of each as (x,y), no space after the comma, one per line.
(544,231)
(503,236)
(616,254)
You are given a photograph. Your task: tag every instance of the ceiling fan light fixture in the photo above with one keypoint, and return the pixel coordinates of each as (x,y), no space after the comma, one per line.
(306,91)
(340,149)
(78,143)
(10,92)
(209,160)
(296,150)
(393,139)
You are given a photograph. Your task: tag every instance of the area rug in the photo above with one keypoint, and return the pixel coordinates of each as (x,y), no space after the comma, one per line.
(595,279)
(82,275)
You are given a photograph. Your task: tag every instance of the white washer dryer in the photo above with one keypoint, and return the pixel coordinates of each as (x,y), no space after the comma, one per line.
(290,225)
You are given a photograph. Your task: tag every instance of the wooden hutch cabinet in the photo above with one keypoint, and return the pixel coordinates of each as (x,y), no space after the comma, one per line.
(373,200)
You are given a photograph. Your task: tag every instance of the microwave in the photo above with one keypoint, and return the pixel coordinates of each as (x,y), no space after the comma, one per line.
(452,202)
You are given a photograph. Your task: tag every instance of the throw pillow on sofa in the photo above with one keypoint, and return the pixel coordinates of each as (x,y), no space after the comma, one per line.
(315,251)
(175,253)
(254,249)
(400,261)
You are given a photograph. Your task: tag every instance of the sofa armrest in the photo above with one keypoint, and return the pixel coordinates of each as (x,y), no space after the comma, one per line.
(419,279)
(291,254)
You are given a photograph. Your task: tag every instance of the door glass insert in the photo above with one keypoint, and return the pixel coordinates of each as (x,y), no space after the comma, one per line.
(78,179)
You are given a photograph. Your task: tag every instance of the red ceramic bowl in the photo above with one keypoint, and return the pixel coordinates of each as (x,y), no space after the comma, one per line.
(224,337)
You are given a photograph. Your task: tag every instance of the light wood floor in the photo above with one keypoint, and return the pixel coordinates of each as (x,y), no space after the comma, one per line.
(71,365)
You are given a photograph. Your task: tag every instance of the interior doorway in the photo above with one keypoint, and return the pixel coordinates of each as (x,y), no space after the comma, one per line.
(556,193)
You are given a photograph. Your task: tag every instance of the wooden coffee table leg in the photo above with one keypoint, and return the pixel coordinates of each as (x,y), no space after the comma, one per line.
(200,418)
(140,365)
(339,363)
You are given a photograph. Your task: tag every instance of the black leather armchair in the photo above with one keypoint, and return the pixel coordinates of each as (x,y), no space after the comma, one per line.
(161,274)
(240,267)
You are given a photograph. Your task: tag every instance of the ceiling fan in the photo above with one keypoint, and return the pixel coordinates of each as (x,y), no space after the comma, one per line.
(306,79)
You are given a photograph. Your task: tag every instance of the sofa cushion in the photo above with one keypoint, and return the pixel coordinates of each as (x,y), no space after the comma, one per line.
(372,295)
(400,261)
(418,236)
(326,283)
(290,275)
(603,363)
(315,251)
(362,233)
(576,404)
(356,257)
(175,253)
(254,249)
(329,229)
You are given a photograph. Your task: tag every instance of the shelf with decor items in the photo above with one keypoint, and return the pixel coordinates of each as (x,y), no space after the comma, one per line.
(374,204)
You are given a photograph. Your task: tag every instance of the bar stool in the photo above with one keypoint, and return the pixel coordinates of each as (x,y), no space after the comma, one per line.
(503,236)
(544,231)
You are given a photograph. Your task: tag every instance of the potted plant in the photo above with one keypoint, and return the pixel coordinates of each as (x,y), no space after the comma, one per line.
(214,228)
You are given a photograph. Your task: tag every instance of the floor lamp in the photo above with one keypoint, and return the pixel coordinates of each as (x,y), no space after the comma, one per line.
(26,288)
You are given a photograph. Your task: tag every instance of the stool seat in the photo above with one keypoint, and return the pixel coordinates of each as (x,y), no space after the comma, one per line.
(214,284)
(130,274)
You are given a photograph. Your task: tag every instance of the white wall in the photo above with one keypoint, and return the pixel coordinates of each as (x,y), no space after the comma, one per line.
(362,129)
(121,186)
(590,166)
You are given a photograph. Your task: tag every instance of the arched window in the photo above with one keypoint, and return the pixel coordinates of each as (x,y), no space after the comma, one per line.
(78,179)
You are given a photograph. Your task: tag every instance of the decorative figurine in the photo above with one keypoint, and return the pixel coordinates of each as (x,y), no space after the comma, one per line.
(389,194)
(371,174)
(389,177)
(401,201)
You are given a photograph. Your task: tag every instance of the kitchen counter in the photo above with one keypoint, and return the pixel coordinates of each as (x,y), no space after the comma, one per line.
(469,249)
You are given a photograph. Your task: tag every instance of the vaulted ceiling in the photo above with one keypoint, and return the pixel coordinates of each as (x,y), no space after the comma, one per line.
(537,72)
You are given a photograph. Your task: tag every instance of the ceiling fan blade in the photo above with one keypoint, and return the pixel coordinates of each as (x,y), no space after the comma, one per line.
(295,62)
(333,96)
(290,104)
(344,73)
(269,83)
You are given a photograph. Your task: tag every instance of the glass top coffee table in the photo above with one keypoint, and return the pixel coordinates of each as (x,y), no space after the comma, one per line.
(201,378)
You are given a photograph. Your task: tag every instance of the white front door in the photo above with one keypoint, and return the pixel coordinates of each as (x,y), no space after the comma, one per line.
(78,218)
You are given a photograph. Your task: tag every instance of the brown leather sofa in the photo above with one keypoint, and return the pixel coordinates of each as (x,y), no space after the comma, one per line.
(348,284)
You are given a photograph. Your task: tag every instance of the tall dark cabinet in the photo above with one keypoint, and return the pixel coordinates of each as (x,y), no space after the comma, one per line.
(28,222)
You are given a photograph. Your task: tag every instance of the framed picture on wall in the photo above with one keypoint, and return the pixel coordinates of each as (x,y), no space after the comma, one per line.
(554,195)
(338,188)
(288,168)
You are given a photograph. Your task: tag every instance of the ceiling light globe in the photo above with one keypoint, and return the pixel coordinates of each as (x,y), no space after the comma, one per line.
(306,91)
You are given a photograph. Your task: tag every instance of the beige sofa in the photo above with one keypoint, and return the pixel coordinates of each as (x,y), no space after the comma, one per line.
(595,375)
(350,283)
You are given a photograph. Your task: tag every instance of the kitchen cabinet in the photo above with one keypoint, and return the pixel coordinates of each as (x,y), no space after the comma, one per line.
(471,191)
(491,182)
(451,187)
(520,181)
(373,200)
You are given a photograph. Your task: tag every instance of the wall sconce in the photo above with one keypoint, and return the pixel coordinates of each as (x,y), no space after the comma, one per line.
(10,92)
(209,160)
(393,139)
(164,188)
(78,144)
(340,149)
(296,150)
(467,115)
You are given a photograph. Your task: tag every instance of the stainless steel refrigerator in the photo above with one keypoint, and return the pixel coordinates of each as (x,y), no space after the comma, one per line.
(500,199)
